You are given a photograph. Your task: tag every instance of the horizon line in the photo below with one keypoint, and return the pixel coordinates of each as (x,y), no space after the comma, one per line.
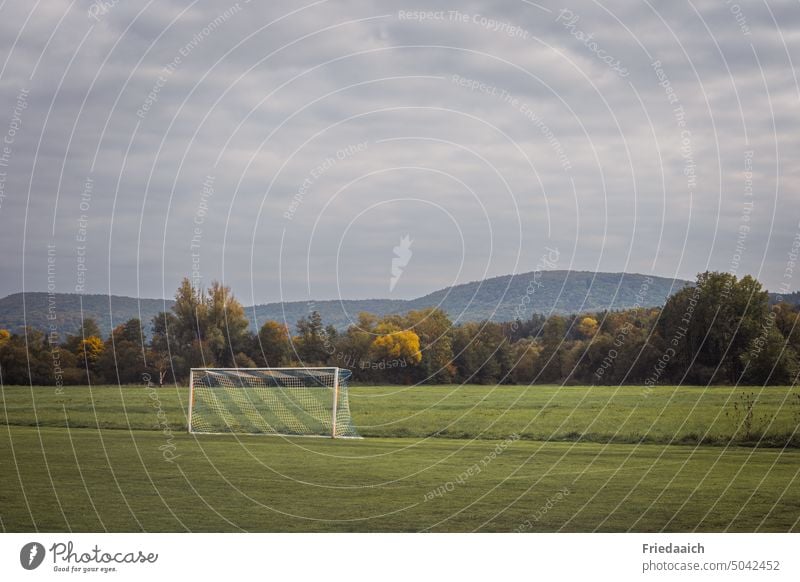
(340,299)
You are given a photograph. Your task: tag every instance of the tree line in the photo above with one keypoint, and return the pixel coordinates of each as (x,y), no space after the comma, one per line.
(721,330)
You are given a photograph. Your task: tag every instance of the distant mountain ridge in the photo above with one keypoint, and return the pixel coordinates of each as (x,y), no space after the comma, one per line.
(107,310)
(503,298)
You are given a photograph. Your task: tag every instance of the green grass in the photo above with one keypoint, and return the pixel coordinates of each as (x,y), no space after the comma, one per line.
(118,479)
(629,414)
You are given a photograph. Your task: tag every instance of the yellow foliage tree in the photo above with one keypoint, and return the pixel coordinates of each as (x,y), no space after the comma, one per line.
(90,349)
(588,326)
(4,337)
(398,345)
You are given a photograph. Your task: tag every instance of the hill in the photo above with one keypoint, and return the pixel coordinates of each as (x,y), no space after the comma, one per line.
(502,298)
(37,309)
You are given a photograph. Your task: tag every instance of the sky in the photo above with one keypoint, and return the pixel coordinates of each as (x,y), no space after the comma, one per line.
(343,149)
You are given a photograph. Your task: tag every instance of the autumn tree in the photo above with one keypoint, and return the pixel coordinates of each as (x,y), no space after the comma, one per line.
(396,344)
(5,335)
(90,350)
(88,328)
(587,327)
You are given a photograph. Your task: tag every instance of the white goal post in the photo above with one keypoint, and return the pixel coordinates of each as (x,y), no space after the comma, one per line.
(272,401)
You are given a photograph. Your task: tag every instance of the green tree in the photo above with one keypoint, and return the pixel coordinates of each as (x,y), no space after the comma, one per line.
(123,359)
(553,347)
(225,326)
(787,321)
(353,347)
(311,342)
(209,327)
(770,360)
(434,330)
(572,361)
(27,359)
(273,346)
(707,328)
(188,329)
(599,360)
(525,356)
(481,353)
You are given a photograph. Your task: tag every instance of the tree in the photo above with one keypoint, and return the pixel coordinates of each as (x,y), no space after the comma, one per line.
(242,360)
(311,343)
(27,359)
(707,328)
(85,349)
(5,335)
(189,325)
(273,345)
(162,359)
(528,329)
(553,337)
(525,355)
(225,325)
(434,330)
(599,361)
(209,327)
(397,345)
(572,361)
(587,327)
(787,321)
(123,359)
(481,353)
(87,329)
(331,335)
(90,350)
(353,347)
(770,360)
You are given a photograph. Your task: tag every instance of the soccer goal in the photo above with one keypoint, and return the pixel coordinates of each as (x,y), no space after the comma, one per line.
(272,401)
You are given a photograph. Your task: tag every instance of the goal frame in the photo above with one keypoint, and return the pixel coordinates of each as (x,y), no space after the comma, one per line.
(335,404)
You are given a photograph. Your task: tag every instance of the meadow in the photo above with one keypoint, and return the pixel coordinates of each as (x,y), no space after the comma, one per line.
(434,458)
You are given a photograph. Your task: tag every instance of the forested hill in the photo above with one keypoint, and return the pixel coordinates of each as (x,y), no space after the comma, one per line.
(500,298)
(107,311)
(503,298)
(506,298)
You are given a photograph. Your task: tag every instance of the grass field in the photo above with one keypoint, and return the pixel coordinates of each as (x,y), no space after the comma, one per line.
(589,459)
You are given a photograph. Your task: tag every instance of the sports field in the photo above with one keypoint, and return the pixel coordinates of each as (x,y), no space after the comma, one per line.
(435,458)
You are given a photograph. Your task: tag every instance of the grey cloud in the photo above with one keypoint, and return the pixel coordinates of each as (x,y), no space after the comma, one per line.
(625,198)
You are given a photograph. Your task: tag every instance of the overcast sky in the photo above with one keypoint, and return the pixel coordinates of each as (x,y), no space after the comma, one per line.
(286,149)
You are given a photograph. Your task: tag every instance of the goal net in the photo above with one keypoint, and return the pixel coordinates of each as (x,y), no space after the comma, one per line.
(277,401)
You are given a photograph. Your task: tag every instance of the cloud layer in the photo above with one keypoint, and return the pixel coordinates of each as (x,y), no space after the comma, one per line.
(288,149)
